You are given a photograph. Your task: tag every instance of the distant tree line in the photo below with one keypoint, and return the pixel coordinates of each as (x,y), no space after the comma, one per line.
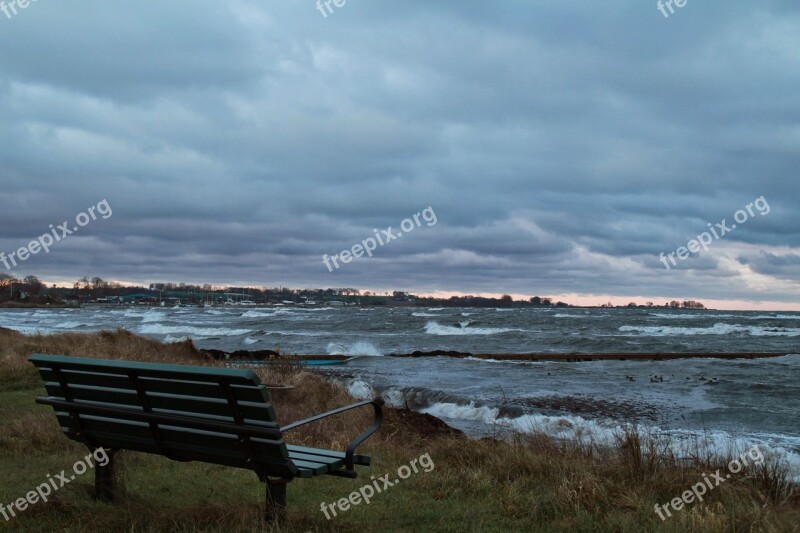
(31,290)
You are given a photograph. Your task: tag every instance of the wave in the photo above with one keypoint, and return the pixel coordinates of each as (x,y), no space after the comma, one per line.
(567,315)
(424,314)
(470,411)
(130,313)
(774,317)
(717,329)
(69,325)
(434,328)
(249,340)
(300,333)
(436,309)
(169,339)
(30,330)
(601,432)
(360,390)
(265,314)
(152,316)
(357,348)
(160,329)
(683,443)
(679,315)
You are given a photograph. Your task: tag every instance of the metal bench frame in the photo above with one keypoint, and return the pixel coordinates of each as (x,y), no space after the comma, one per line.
(76,404)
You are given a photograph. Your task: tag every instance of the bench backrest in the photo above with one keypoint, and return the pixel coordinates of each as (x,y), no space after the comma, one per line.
(221,416)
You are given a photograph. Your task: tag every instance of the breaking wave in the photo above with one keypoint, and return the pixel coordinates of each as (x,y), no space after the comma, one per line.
(434,328)
(160,329)
(354,349)
(717,329)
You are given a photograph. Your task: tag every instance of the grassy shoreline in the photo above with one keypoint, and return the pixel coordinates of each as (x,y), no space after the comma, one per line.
(527,482)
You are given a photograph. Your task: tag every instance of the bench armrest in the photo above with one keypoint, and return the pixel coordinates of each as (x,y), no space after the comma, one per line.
(376,404)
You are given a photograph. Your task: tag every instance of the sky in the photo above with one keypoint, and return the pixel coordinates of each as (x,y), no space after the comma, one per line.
(562,146)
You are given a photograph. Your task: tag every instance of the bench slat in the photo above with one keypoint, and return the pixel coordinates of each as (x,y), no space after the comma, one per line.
(362,460)
(160,385)
(187,453)
(170,402)
(234,376)
(174,438)
(316,469)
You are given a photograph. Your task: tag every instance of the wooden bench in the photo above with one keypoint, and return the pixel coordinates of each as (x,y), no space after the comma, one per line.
(187,413)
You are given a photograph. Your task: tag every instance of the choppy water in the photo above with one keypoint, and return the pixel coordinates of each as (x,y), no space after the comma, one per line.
(698,403)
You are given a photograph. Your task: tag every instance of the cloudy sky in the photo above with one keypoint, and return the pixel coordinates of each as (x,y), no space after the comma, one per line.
(563,145)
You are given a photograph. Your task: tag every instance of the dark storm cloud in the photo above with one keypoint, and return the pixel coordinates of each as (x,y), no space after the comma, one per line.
(563,146)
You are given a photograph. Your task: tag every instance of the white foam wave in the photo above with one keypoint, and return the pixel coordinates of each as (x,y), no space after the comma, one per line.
(502,361)
(159,329)
(355,349)
(436,309)
(434,328)
(250,340)
(30,330)
(683,315)
(717,329)
(69,325)
(470,411)
(265,314)
(683,443)
(360,390)
(424,314)
(301,333)
(152,316)
(394,398)
(169,339)
(567,315)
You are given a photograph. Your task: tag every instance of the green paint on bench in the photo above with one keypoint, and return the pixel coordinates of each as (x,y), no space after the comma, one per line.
(222,416)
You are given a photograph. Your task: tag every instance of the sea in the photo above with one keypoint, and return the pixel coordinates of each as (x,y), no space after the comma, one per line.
(690,406)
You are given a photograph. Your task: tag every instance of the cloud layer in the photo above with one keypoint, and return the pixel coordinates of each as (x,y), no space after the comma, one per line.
(563,146)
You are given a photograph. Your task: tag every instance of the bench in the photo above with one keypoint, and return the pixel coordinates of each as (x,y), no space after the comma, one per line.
(221,416)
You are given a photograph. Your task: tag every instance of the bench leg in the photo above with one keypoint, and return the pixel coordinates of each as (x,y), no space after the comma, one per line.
(105,482)
(276,499)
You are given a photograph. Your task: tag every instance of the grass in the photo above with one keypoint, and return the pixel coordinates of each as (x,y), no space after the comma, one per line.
(524,483)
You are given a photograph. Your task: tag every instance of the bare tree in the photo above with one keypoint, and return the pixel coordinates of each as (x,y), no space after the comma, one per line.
(33,285)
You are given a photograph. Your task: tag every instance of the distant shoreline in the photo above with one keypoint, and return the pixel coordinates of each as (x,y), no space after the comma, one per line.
(23,305)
